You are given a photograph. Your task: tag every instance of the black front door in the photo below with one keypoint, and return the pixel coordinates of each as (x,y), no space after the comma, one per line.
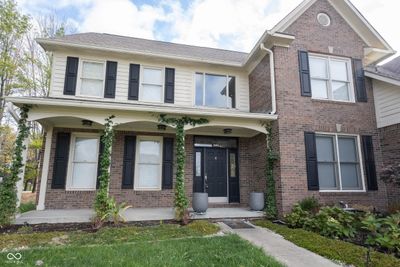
(215,172)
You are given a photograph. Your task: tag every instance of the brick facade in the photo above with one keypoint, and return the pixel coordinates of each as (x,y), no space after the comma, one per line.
(251,169)
(260,87)
(390,141)
(298,114)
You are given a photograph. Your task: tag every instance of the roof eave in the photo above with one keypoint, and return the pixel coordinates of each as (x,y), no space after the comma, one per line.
(380,77)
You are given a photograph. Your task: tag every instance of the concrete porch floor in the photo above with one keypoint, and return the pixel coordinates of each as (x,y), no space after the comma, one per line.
(131,215)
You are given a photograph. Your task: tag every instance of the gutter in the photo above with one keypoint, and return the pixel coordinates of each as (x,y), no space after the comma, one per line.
(272,72)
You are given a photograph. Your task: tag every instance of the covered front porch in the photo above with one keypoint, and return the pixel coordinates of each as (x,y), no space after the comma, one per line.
(225,157)
(53,216)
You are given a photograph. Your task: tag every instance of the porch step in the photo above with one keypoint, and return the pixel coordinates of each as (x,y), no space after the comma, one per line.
(226,205)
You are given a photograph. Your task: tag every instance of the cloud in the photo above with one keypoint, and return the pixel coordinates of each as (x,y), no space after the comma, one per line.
(229,24)
(122,17)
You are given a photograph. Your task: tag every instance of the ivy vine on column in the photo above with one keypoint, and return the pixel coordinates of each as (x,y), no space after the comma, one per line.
(181,201)
(8,188)
(271,157)
(103,202)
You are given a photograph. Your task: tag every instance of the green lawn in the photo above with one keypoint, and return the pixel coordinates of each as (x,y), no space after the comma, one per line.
(164,245)
(332,249)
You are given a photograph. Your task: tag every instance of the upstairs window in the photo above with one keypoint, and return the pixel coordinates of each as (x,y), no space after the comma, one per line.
(152,85)
(92,79)
(331,78)
(215,90)
(339,167)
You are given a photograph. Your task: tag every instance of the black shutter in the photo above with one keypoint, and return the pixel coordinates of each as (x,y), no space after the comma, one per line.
(101,149)
(61,160)
(134,71)
(369,162)
(359,79)
(169,85)
(168,159)
(311,161)
(129,162)
(71,73)
(111,79)
(304,69)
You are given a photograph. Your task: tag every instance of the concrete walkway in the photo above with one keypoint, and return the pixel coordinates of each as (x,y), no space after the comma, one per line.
(282,250)
(131,215)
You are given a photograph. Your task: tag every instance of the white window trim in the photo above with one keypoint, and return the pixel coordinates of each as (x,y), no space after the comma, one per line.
(80,72)
(330,80)
(71,159)
(360,158)
(137,174)
(204,90)
(162,69)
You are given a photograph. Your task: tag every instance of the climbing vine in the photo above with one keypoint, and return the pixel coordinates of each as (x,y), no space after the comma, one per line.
(271,157)
(181,201)
(103,202)
(8,188)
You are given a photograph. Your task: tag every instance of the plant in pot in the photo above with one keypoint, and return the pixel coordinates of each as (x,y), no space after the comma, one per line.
(200,202)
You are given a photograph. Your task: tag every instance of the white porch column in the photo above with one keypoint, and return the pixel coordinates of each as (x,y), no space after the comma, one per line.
(45,169)
(20,183)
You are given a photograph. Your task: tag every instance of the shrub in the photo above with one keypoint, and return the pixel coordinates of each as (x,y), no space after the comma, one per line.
(333,222)
(114,211)
(310,204)
(298,217)
(383,232)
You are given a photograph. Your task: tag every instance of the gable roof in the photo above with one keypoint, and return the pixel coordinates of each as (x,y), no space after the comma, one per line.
(378,49)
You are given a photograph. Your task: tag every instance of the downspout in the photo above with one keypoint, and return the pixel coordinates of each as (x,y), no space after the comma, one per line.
(272,72)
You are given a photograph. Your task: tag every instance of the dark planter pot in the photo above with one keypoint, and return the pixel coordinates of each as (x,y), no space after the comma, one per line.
(256,201)
(200,202)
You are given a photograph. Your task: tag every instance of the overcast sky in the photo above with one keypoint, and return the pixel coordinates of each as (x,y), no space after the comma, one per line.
(228,24)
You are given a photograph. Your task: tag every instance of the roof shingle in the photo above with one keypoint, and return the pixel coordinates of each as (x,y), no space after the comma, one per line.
(151,46)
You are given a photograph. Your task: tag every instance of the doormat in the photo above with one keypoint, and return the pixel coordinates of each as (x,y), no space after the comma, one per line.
(238,225)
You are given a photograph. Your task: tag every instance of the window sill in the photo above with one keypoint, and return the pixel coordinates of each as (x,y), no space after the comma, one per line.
(80,189)
(342,191)
(333,101)
(147,189)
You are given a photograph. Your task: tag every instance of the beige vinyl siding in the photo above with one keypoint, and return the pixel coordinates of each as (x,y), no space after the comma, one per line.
(184,79)
(387,103)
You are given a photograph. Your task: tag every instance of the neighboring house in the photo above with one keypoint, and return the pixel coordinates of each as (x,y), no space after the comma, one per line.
(305,76)
(386,84)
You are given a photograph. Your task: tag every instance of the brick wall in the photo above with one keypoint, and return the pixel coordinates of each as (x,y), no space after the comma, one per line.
(298,114)
(260,87)
(390,141)
(251,155)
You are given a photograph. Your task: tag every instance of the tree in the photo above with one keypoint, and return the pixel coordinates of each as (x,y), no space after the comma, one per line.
(13,27)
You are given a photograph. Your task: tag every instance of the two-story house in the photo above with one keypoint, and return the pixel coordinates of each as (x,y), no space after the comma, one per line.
(305,76)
